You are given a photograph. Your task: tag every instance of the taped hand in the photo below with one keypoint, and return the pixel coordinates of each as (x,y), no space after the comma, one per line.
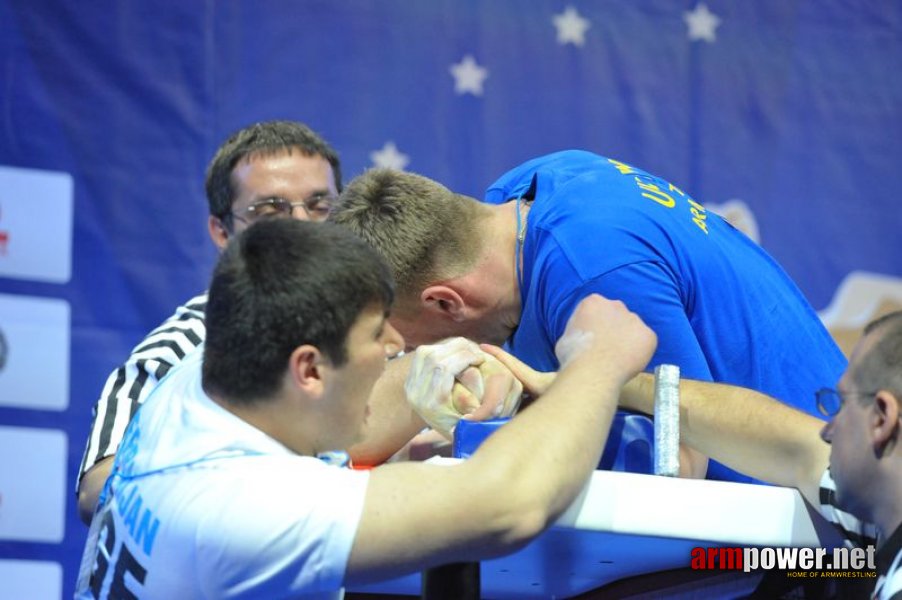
(455,379)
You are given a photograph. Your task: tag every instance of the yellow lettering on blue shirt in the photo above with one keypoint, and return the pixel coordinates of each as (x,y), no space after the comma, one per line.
(624,168)
(699,215)
(674,188)
(653,192)
(651,187)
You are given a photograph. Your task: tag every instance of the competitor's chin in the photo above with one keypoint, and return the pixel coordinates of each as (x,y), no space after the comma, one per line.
(362,429)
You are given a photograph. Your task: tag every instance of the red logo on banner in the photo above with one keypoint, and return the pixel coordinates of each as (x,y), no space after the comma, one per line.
(4,239)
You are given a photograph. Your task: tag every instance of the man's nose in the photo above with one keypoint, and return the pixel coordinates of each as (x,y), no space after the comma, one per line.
(394,341)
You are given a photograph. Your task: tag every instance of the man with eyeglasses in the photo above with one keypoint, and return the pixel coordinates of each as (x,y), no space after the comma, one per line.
(856,480)
(274,169)
(216,491)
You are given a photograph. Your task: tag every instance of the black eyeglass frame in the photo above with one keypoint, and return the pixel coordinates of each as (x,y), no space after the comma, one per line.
(316,206)
(829,401)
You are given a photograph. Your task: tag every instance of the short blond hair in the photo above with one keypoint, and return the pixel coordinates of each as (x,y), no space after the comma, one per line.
(425,232)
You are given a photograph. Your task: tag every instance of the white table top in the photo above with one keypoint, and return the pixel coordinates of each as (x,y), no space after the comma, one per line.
(626,524)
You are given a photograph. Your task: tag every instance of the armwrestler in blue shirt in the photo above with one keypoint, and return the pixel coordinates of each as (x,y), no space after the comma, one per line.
(575,223)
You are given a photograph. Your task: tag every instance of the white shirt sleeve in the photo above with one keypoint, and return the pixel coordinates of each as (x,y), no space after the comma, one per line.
(286,527)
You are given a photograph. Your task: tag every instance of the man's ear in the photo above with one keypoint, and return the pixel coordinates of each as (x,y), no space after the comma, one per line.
(306,370)
(885,427)
(444,300)
(219,233)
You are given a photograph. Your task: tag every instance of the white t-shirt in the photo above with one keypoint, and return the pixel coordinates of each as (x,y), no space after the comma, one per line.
(203,505)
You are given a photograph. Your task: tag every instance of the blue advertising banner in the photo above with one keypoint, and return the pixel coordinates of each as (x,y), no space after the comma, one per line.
(783,115)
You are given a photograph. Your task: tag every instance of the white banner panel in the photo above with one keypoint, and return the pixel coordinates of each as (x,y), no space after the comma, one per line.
(32,485)
(34,352)
(37,580)
(35,225)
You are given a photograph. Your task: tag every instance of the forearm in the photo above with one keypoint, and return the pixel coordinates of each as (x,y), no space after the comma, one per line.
(391,422)
(497,500)
(744,429)
(570,423)
(417,514)
(506,493)
(693,464)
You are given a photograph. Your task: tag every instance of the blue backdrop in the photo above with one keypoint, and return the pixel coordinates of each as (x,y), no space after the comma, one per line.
(789,109)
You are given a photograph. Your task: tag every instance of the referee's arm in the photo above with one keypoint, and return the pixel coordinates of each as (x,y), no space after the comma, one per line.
(91,486)
(127,387)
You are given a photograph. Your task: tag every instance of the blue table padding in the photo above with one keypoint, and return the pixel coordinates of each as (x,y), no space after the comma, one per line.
(630,445)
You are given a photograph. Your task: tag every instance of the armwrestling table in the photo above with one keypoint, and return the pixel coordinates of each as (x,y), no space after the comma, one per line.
(625,522)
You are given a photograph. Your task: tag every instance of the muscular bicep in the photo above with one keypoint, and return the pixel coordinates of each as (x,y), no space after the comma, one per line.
(651,291)
(417,515)
(392,422)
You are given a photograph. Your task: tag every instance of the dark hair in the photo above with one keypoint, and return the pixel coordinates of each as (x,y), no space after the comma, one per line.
(881,367)
(267,138)
(281,284)
(424,231)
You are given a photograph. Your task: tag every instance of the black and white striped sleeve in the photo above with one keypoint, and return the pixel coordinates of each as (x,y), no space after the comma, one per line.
(128,386)
(858,533)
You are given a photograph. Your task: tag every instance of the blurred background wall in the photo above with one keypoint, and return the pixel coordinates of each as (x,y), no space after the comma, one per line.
(785,115)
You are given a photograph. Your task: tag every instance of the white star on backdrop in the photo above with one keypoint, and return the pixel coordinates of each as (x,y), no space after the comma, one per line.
(468,76)
(571,27)
(702,23)
(389,157)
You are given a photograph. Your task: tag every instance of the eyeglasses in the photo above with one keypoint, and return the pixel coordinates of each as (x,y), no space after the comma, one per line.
(830,401)
(317,207)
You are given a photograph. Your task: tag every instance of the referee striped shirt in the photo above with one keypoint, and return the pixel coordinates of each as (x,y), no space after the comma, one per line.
(857,533)
(860,534)
(128,386)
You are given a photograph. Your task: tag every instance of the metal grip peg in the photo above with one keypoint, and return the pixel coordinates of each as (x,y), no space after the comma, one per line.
(667,420)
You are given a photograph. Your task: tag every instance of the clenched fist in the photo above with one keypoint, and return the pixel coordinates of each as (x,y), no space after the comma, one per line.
(455,379)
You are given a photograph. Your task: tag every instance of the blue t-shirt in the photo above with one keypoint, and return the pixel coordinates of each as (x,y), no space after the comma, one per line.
(722,308)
